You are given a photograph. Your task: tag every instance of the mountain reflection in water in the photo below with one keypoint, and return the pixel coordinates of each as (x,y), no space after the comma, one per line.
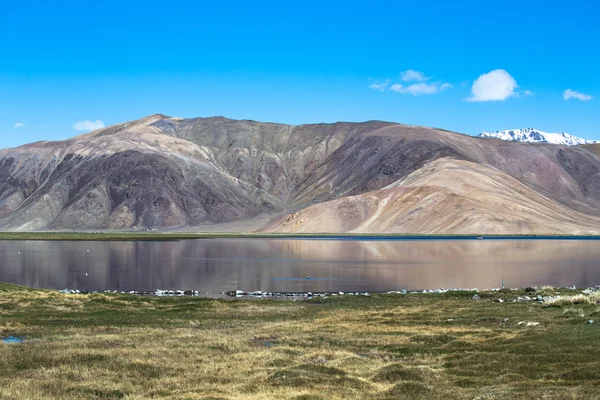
(215,265)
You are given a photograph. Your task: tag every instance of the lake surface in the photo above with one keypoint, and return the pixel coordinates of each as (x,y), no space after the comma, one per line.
(212,266)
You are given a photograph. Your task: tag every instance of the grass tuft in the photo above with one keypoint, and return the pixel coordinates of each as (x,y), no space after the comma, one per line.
(593,298)
(410,390)
(397,373)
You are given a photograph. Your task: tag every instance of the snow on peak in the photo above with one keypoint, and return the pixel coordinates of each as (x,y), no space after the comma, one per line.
(535,136)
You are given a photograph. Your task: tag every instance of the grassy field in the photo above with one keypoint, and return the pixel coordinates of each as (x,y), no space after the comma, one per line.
(430,346)
(175,235)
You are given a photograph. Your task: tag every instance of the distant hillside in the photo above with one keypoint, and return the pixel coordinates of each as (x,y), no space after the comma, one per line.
(593,148)
(217,173)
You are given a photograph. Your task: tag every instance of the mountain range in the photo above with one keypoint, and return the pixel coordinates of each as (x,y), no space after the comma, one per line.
(536,136)
(218,174)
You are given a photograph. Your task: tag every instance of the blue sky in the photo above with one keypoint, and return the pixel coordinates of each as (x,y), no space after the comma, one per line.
(484,65)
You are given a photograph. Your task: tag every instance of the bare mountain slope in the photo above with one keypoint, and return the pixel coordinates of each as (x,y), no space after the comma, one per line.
(173,172)
(131,175)
(380,157)
(446,196)
(273,157)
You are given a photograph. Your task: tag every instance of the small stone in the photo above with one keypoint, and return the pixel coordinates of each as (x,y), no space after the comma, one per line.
(528,323)
(476,297)
(590,321)
(500,301)
(539,298)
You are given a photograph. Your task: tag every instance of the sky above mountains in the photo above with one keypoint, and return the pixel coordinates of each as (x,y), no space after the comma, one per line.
(468,66)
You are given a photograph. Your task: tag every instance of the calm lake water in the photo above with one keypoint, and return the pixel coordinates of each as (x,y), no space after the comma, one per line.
(215,265)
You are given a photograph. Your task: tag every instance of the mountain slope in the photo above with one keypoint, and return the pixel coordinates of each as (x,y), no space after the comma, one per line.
(125,176)
(446,196)
(207,173)
(535,136)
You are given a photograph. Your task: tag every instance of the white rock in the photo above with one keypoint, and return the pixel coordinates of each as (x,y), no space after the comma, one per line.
(528,323)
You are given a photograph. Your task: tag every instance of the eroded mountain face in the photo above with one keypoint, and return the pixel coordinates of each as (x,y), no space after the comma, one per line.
(173,172)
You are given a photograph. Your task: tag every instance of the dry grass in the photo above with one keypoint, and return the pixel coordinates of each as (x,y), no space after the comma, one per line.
(593,298)
(388,346)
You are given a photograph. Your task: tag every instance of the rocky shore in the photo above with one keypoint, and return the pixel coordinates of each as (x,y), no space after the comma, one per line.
(542,295)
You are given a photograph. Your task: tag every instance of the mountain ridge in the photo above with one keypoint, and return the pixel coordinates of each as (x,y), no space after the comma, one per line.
(203,173)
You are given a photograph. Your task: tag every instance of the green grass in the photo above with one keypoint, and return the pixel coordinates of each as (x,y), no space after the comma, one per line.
(446,346)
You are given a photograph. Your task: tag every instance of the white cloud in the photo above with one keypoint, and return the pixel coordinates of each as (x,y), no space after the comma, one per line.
(572,94)
(528,93)
(417,89)
(19,124)
(412,75)
(493,86)
(380,86)
(88,125)
(396,87)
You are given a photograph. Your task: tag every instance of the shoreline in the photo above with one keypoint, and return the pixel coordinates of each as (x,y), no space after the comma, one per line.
(310,295)
(169,235)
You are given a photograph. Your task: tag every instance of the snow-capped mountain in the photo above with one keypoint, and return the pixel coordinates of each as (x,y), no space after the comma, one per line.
(533,135)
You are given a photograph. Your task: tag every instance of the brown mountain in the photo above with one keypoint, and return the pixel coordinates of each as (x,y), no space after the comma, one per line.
(222,174)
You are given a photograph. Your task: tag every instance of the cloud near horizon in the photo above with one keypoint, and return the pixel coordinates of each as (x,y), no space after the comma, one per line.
(416,89)
(572,94)
(19,124)
(88,125)
(496,85)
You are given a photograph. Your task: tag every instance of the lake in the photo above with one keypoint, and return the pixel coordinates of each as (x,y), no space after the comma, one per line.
(212,266)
